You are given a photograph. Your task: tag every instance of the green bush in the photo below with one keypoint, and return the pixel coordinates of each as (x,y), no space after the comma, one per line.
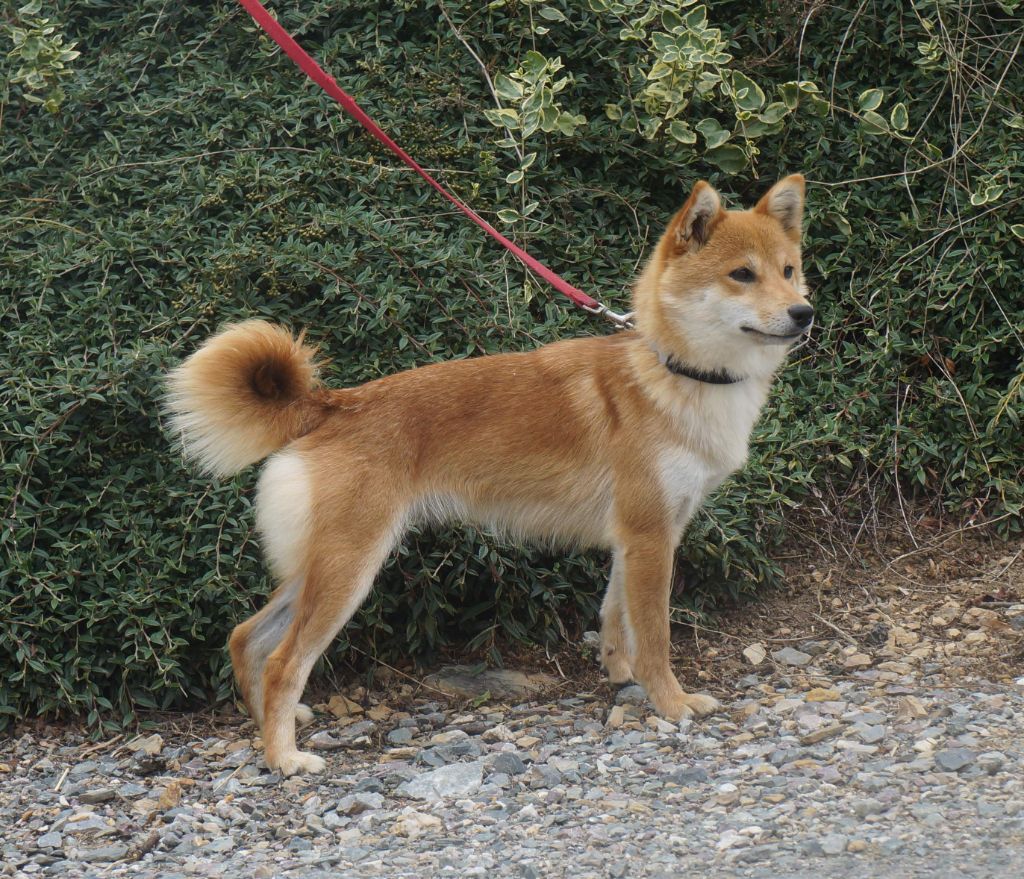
(180,173)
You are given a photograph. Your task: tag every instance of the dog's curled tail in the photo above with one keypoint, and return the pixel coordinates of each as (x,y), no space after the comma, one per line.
(247,392)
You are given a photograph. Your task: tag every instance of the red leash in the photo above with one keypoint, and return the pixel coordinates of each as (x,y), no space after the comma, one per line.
(316,73)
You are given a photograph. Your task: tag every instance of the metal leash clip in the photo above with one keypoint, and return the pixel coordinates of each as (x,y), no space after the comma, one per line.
(622,321)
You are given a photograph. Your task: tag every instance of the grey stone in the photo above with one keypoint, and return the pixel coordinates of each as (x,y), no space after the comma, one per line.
(333,820)
(83,769)
(431,757)
(690,776)
(349,734)
(238,758)
(132,790)
(469,682)
(147,764)
(791,656)
(814,648)
(871,734)
(543,776)
(400,736)
(508,762)
(451,753)
(50,840)
(105,854)
(870,806)
(89,825)
(869,718)
(355,804)
(833,844)
(812,847)
(954,759)
(97,795)
(632,695)
(925,811)
(992,761)
(782,756)
(369,785)
(456,780)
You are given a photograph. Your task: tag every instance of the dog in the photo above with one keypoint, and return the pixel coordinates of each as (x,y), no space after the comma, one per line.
(609,442)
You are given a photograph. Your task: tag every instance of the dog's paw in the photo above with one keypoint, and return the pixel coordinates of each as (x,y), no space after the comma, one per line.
(303,715)
(617,667)
(298,763)
(697,705)
(686,706)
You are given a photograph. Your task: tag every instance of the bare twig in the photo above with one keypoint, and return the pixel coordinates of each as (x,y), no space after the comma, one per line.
(846,636)
(63,776)
(99,746)
(483,69)
(957,152)
(399,672)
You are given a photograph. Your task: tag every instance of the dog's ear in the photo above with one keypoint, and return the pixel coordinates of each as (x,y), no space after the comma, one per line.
(785,202)
(692,226)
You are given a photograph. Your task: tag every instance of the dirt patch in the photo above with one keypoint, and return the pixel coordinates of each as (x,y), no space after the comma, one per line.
(952,605)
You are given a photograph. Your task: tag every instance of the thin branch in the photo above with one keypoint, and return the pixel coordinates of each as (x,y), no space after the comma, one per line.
(483,70)
(952,156)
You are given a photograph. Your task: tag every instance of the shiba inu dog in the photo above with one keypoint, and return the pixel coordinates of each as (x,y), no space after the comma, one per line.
(610,442)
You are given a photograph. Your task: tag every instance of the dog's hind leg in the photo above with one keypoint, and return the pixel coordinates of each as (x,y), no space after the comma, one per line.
(350,545)
(284,518)
(615,652)
(254,640)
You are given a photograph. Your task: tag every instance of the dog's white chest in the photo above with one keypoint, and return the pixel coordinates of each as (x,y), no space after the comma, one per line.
(686,479)
(716,426)
(713,445)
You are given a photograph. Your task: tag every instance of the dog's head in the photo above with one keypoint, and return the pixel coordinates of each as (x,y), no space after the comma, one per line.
(725,289)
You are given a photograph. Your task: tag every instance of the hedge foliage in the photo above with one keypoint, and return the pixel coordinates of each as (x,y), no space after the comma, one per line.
(180,173)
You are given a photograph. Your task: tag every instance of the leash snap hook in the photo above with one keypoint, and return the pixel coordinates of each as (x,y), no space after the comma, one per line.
(622,321)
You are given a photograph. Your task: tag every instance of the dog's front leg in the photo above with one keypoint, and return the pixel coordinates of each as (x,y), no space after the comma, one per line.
(646,559)
(615,649)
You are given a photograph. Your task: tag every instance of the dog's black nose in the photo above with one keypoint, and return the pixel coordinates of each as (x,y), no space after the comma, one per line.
(802,315)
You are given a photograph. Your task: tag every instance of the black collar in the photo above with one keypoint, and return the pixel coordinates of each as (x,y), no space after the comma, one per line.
(717,377)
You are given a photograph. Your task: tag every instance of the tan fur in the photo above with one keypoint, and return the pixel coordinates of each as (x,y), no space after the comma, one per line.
(246,393)
(587,441)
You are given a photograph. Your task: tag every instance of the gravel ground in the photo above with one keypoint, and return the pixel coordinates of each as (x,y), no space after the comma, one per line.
(825,760)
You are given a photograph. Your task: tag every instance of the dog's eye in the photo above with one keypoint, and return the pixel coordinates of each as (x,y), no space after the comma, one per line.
(744,275)
(787,272)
